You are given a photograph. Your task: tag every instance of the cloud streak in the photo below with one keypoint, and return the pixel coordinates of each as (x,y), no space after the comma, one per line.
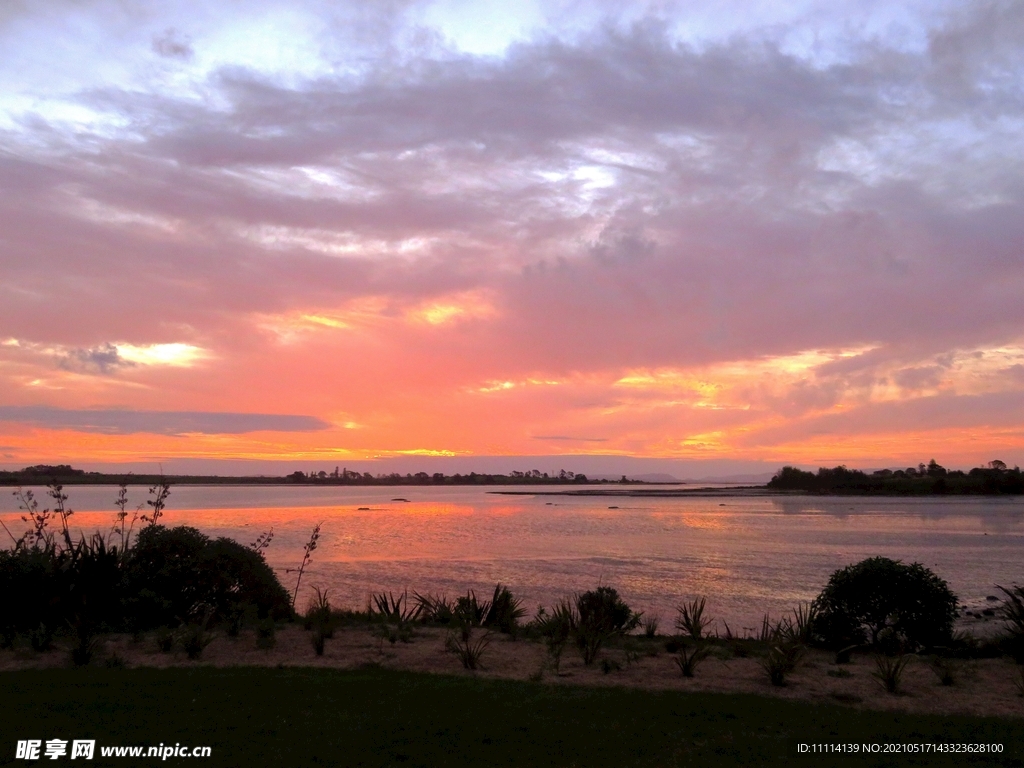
(128,422)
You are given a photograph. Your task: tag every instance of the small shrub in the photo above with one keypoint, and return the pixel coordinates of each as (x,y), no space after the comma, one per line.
(805,616)
(397,609)
(889,671)
(599,615)
(690,658)
(691,620)
(469,612)
(649,624)
(434,609)
(779,662)
(862,600)
(195,639)
(504,612)
(318,614)
(467,651)
(556,628)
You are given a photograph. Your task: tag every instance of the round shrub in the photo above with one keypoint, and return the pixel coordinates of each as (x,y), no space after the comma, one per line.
(881,600)
(175,573)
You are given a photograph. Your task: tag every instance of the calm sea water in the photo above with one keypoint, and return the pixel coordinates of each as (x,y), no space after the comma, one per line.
(747,554)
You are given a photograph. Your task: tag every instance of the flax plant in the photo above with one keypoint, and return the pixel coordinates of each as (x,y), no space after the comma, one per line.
(689,659)
(691,619)
(889,671)
(468,651)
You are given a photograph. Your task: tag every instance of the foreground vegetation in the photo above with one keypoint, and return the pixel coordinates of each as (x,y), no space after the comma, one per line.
(178,588)
(374,717)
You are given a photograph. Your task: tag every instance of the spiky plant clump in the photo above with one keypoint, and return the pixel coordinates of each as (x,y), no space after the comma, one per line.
(387,606)
(434,609)
(195,640)
(318,614)
(691,620)
(469,651)
(690,658)
(504,612)
(556,629)
(649,624)
(805,615)
(471,612)
(889,671)
(777,664)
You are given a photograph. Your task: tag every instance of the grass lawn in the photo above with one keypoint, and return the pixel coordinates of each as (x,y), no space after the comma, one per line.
(374,717)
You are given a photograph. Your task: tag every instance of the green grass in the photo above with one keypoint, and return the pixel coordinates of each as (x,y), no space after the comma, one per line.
(373,717)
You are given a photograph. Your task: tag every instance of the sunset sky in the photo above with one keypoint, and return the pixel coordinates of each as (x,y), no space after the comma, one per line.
(324,232)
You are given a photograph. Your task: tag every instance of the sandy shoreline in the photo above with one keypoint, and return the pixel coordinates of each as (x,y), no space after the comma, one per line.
(983,686)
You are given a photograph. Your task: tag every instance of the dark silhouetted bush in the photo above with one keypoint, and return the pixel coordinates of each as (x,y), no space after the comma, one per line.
(908,603)
(504,611)
(176,573)
(600,614)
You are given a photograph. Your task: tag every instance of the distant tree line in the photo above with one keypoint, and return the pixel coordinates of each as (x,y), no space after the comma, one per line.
(43,474)
(930,478)
(343,476)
